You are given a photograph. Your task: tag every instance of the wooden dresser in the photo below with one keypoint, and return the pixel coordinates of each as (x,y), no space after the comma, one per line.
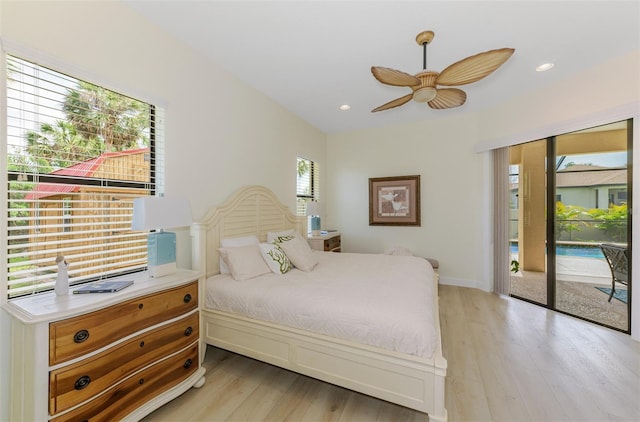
(105,356)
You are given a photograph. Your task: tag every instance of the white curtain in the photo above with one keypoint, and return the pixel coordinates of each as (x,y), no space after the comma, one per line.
(501,272)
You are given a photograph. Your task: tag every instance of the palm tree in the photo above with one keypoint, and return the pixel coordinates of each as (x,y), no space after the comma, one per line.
(116,120)
(97,121)
(303,167)
(59,145)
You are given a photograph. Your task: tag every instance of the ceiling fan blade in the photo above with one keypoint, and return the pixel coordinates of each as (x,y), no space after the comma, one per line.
(393,77)
(395,103)
(474,68)
(448,98)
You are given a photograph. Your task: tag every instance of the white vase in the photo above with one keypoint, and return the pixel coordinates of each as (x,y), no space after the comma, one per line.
(62,280)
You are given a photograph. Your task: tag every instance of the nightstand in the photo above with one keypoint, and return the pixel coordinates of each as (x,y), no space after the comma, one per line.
(329,242)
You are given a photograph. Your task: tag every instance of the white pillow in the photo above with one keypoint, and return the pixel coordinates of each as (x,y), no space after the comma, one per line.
(244,262)
(299,252)
(271,236)
(234,242)
(275,258)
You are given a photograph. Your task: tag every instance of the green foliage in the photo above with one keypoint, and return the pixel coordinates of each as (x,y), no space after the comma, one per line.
(18,210)
(515,266)
(60,146)
(569,218)
(303,167)
(17,190)
(115,120)
(612,221)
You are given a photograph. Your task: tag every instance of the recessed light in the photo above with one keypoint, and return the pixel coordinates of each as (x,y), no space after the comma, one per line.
(544,67)
(345,107)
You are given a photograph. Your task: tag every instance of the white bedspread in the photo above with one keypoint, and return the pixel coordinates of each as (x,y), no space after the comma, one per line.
(379,300)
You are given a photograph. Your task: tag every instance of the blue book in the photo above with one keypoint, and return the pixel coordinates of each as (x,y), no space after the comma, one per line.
(103,286)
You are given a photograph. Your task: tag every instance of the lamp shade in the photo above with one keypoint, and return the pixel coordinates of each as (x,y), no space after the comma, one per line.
(313,208)
(160,212)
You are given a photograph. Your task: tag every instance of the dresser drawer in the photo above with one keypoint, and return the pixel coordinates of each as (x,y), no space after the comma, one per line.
(125,397)
(80,381)
(77,336)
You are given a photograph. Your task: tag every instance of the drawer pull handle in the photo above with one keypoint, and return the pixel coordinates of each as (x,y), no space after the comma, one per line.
(140,306)
(141,381)
(82,382)
(81,336)
(188,331)
(187,363)
(187,298)
(142,344)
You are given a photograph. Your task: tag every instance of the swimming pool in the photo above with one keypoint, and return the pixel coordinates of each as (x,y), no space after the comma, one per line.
(583,251)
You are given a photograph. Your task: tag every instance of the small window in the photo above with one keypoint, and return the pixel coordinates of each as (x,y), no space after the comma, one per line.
(308,188)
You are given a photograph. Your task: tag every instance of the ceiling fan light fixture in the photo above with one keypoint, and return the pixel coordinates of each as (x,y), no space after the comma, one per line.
(425,94)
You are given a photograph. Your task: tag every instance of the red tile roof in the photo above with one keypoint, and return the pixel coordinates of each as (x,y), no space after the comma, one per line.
(83,169)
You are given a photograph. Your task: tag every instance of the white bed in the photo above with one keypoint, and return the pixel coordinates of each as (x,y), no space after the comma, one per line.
(412,375)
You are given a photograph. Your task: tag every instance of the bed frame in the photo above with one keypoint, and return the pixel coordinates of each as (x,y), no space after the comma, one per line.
(407,380)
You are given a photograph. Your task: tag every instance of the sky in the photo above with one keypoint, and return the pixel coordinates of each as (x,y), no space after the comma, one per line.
(609,159)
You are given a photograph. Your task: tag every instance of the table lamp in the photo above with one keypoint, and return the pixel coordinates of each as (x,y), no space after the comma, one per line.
(313,210)
(159,213)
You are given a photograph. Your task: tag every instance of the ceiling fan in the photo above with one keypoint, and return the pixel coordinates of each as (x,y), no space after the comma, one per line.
(424,85)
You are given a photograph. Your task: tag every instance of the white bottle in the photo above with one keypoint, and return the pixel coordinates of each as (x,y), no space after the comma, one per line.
(62,281)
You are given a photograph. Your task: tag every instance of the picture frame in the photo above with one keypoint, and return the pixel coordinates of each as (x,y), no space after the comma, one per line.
(394,201)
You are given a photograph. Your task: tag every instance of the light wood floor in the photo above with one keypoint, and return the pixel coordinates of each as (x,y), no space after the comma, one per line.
(508,361)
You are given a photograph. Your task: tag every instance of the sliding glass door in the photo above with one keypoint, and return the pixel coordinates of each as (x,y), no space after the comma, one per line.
(571,202)
(528,238)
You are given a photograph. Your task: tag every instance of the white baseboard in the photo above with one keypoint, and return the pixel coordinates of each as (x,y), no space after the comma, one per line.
(460,282)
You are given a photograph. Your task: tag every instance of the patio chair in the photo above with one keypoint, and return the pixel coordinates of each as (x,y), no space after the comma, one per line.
(618,259)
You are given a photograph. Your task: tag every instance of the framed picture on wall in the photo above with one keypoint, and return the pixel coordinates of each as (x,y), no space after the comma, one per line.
(394,201)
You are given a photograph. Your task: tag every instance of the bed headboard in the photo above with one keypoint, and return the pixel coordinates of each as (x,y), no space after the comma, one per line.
(251,210)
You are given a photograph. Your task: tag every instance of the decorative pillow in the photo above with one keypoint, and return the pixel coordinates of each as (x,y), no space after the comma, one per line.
(234,242)
(299,252)
(244,262)
(275,258)
(271,236)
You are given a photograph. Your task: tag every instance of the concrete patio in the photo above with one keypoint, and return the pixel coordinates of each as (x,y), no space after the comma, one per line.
(576,293)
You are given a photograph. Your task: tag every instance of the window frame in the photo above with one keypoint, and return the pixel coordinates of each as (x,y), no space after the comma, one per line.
(155,153)
(313,182)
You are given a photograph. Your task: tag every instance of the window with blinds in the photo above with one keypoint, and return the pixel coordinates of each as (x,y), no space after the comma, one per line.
(308,184)
(78,154)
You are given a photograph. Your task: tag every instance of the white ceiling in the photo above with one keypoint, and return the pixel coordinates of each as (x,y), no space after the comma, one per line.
(313,56)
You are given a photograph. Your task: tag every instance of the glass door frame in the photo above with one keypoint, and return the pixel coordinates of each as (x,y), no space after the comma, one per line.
(550,215)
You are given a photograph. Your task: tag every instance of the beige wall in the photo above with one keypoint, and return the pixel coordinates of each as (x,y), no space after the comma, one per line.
(607,91)
(441,152)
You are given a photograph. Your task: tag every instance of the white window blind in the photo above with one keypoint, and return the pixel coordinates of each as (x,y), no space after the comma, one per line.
(78,154)
(308,184)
